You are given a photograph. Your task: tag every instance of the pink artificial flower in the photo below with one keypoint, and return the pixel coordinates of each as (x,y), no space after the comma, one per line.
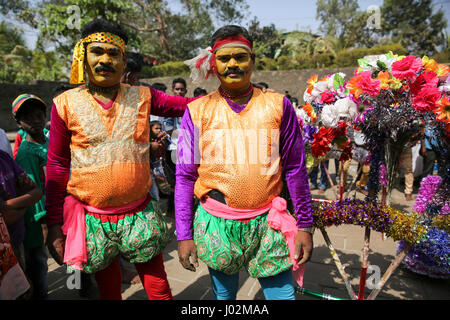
(368,85)
(426,79)
(426,99)
(406,68)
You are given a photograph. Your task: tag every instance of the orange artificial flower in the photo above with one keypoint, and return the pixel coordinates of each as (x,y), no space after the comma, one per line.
(429,64)
(310,111)
(311,82)
(383,76)
(443,70)
(443,110)
(352,86)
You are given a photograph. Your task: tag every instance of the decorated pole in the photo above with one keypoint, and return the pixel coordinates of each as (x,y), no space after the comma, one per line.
(365,263)
(341,180)
(392,267)
(339,265)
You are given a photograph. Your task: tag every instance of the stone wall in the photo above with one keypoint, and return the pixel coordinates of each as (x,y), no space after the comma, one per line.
(293,81)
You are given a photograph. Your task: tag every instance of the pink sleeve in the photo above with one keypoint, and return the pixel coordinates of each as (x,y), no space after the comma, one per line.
(165,105)
(58,168)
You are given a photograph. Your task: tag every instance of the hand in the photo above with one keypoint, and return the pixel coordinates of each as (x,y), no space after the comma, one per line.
(186,249)
(303,247)
(55,243)
(44,232)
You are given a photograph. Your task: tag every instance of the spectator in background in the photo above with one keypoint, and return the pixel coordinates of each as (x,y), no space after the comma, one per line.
(17,193)
(200,92)
(132,72)
(160,87)
(5,145)
(30,112)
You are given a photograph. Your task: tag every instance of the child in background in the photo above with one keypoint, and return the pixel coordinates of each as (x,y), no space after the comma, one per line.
(158,146)
(30,112)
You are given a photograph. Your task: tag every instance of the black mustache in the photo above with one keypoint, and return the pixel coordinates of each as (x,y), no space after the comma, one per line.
(230,71)
(104,68)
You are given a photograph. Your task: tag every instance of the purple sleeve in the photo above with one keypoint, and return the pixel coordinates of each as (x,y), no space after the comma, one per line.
(294,165)
(165,105)
(186,175)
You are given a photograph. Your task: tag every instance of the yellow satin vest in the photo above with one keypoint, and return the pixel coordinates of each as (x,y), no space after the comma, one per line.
(239,152)
(109,148)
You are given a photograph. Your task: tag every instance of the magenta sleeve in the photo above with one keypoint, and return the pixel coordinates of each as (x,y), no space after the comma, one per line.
(58,168)
(165,105)
(293,161)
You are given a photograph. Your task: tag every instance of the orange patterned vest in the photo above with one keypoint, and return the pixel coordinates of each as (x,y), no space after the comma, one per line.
(239,153)
(109,148)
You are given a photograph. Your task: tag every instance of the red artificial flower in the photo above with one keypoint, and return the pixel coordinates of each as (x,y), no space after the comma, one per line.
(322,142)
(368,85)
(426,99)
(327,97)
(406,68)
(426,79)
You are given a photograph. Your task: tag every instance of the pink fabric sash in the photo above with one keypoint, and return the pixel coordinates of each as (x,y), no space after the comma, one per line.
(278,219)
(74,227)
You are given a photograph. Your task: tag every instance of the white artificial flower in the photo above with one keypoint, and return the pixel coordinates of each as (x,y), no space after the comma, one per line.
(329,117)
(346,108)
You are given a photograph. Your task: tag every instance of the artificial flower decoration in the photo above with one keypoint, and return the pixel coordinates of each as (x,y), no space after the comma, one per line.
(311,82)
(426,79)
(443,110)
(426,99)
(406,68)
(429,64)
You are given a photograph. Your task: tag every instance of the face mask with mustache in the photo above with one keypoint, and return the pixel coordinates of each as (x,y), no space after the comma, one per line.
(230,71)
(104,67)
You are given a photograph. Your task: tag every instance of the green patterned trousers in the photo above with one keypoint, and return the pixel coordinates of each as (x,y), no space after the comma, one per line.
(137,238)
(228,245)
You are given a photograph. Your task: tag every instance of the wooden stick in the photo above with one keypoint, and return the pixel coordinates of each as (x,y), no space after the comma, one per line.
(353,182)
(364,264)
(341,180)
(339,265)
(392,267)
(331,182)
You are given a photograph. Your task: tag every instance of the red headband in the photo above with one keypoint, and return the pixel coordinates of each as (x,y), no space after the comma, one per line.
(232,39)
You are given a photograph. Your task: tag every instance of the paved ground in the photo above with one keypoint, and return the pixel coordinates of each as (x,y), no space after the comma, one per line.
(321,273)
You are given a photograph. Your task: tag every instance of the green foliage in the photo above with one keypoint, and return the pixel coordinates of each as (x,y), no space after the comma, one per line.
(171,68)
(414,24)
(18,64)
(349,58)
(443,56)
(266,64)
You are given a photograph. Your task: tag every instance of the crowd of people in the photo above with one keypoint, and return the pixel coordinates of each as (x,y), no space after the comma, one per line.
(89,185)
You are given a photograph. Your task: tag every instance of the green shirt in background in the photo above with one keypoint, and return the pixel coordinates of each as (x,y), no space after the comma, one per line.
(32,157)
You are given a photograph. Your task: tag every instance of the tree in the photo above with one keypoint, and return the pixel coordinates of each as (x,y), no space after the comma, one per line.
(154,28)
(414,25)
(335,17)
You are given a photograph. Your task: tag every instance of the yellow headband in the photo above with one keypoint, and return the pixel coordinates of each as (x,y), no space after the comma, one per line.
(77,71)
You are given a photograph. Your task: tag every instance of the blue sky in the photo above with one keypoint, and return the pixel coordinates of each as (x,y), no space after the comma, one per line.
(285,14)
(301,14)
